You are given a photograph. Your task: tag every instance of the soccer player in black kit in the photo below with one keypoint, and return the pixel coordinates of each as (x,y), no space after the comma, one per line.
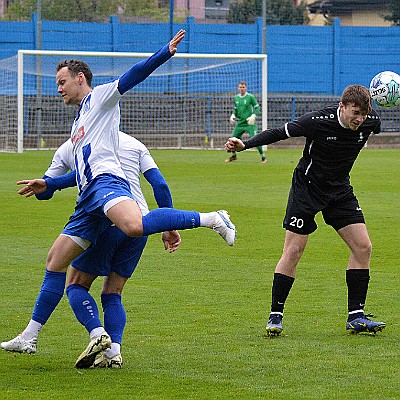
(334,137)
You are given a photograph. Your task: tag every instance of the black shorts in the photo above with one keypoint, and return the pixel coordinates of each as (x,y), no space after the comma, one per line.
(339,207)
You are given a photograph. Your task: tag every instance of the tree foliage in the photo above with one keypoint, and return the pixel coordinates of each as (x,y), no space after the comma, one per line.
(394,9)
(278,12)
(76,10)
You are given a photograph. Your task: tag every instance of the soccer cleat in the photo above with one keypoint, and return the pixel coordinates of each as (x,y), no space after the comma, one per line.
(20,345)
(230,159)
(264,160)
(224,227)
(96,346)
(274,326)
(105,362)
(364,325)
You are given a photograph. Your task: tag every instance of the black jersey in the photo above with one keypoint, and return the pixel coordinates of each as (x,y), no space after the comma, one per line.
(330,150)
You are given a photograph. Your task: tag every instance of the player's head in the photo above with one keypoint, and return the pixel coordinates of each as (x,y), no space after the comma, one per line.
(76,66)
(242,87)
(354,106)
(74,80)
(359,96)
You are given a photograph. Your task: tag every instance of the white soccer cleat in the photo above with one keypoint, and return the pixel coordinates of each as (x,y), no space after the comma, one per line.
(224,227)
(20,345)
(96,346)
(108,362)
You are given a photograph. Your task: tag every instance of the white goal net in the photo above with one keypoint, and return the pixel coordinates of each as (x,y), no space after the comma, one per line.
(186,103)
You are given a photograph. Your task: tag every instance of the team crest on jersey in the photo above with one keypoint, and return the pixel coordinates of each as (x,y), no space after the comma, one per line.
(78,135)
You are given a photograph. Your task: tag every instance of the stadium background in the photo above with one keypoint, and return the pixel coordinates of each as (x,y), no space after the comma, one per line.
(308,66)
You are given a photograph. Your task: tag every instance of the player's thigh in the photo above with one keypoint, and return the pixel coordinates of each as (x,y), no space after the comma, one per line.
(126,215)
(61,254)
(357,238)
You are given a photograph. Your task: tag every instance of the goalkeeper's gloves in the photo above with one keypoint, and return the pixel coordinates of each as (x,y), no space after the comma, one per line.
(233,119)
(252,119)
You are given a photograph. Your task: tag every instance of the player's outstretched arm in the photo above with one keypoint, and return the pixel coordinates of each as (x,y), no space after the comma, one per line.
(234,144)
(141,70)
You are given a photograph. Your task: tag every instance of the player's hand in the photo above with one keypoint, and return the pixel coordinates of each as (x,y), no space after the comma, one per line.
(233,119)
(172,240)
(173,44)
(252,119)
(234,144)
(33,186)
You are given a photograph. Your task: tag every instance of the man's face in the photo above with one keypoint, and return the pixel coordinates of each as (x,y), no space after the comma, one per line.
(69,87)
(351,116)
(242,89)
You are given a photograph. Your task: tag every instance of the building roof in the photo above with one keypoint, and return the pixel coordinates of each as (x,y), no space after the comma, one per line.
(336,7)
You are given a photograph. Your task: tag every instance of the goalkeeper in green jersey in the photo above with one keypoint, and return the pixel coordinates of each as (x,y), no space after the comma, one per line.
(244,114)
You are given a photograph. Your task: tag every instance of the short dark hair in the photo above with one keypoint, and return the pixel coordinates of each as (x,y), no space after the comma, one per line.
(359,96)
(76,66)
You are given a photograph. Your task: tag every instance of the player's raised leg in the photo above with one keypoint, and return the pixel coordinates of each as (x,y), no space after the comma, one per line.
(127,217)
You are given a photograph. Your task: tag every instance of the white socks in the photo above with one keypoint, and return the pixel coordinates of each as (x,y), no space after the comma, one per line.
(207,219)
(32,330)
(96,332)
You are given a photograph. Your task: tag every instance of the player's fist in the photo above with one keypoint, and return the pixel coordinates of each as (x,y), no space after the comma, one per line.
(252,119)
(234,144)
(232,119)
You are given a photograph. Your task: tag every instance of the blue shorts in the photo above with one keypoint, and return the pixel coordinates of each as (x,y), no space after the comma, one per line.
(89,220)
(113,252)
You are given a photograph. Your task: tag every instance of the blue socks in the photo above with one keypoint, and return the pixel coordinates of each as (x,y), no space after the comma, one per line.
(86,311)
(169,219)
(114,316)
(84,306)
(51,292)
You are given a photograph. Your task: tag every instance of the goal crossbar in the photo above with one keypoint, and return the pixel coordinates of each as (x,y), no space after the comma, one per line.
(262,58)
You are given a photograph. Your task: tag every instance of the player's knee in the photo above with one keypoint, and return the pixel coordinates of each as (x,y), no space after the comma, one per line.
(53,264)
(364,249)
(132,228)
(294,251)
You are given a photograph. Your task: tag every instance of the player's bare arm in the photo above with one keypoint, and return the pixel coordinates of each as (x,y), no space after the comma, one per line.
(234,144)
(173,44)
(32,187)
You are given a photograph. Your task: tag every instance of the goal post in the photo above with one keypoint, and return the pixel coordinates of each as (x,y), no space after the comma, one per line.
(185,103)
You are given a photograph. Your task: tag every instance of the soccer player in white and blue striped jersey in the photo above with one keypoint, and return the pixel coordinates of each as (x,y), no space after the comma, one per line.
(115,255)
(104,193)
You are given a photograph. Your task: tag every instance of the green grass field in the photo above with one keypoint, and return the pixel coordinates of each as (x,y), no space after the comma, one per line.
(196,317)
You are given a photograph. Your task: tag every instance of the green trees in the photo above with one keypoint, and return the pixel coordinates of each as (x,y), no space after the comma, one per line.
(278,12)
(77,10)
(395,12)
